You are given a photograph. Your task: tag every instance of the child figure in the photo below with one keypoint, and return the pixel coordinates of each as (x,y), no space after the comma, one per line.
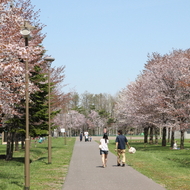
(175,145)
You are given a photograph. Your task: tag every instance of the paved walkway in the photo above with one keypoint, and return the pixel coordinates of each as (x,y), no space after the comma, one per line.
(86,172)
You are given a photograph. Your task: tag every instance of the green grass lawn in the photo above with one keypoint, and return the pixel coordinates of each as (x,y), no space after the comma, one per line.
(170,168)
(43,176)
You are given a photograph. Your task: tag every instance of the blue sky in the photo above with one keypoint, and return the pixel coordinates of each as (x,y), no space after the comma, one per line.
(104,43)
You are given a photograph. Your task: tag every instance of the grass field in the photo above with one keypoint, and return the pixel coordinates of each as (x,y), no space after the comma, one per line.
(43,176)
(170,168)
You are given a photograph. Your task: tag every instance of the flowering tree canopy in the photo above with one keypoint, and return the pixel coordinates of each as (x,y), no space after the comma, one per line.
(160,95)
(14,53)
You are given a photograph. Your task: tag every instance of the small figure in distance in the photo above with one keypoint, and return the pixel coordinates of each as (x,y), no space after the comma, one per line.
(86,136)
(81,135)
(175,145)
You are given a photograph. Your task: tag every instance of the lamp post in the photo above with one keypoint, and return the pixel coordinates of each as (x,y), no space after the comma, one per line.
(25,32)
(49,60)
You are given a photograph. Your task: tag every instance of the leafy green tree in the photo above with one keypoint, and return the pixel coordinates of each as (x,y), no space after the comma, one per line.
(38,110)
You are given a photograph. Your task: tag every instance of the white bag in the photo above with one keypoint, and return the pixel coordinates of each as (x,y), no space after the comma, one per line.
(132,150)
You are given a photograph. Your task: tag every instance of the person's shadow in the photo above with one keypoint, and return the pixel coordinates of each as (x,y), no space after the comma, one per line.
(115,166)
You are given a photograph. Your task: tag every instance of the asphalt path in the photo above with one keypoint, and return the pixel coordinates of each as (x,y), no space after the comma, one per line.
(86,172)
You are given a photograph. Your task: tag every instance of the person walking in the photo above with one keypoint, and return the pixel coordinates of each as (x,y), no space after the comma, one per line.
(104,149)
(81,135)
(121,142)
(86,136)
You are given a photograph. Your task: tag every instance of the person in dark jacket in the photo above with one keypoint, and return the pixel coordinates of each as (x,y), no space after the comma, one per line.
(121,142)
(81,135)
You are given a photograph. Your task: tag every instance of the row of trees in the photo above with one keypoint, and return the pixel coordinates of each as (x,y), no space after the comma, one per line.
(160,96)
(157,102)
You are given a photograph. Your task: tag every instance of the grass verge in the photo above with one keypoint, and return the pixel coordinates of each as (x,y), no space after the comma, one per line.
(170,168)
(43,176)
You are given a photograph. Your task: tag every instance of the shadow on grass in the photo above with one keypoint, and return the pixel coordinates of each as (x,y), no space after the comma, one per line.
(18,161)
(42,159)
(15,161)
(46,147)
(37,151)
(2,156)
(17,184)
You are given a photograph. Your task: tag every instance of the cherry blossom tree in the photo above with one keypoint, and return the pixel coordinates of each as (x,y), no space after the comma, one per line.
(72,121)
(171,72)
(95,121)
(160,95)
(14,53)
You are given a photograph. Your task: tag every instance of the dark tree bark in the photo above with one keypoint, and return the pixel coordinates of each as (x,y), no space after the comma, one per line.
(182,140)
(164,137)
(169,131)
(151,135)
(8,150)
(146,134)
(172,139)
(10,146)
(156,134)
(16,142)
(12,143)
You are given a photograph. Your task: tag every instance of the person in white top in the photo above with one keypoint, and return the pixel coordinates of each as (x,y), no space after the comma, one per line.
(175,145)
(104,149)
(86,136)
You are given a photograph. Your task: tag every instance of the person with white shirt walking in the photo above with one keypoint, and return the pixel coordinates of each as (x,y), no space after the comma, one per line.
(104,149)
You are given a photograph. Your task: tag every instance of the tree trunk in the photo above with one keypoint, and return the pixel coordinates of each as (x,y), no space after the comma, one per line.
(164,137)
(169,130)
(156,135)
(16,142)
(12,143)
(151,135)
(8,147)
(182,140)
(146,134)
(172,139)
(9,151)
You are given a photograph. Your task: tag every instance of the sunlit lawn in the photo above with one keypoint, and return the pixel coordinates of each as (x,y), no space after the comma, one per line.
(170,168)
(43,176)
